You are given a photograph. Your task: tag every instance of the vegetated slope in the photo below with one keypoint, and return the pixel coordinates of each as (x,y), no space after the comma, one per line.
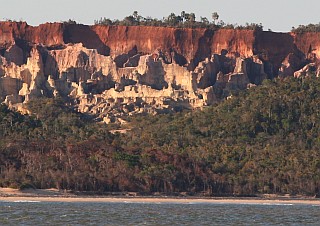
(264,140)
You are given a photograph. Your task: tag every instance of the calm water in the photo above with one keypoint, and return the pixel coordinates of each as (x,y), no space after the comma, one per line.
(63,213)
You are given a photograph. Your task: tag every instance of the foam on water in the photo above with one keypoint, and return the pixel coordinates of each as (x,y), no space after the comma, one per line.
(27,201)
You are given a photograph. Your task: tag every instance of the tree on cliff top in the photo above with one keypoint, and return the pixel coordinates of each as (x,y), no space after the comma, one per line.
(215,17)
(184,20)
(306,28)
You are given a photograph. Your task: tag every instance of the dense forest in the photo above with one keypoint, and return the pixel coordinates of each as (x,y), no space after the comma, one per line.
(262,140)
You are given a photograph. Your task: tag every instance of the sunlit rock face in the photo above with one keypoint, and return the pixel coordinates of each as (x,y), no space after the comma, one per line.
(116,71)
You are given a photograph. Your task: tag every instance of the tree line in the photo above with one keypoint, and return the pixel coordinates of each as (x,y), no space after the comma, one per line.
(182,20)
(306,28)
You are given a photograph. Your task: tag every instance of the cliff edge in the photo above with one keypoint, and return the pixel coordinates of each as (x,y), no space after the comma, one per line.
(113,71)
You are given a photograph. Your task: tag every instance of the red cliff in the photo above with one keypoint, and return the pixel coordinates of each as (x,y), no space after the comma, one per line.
(191,45)
(308,43)
(49,34)
(161,68)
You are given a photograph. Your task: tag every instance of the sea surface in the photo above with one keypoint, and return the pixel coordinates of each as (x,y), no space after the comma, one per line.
(126,213)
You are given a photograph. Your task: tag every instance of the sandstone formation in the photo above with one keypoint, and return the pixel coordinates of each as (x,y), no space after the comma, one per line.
(115,71)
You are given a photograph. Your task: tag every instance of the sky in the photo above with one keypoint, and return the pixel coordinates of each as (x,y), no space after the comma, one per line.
(277,15)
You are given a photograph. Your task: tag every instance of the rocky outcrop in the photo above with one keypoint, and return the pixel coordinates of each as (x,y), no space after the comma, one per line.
(291,64)
(308,43)
(114,71)
(24,81)
(101,88)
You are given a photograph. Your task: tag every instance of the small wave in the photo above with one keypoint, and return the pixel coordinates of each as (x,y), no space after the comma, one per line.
(127,202)
(136,202)
(32,201)
(277,204)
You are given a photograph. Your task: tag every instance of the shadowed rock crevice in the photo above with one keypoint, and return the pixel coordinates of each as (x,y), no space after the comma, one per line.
(10,87)
(132,61)
(155,75)
(51,66)
(18,52)
(179,59)
(2,51)
(254,71)
(203,51)
(56,47)
(120,60)
(128,59)
(76,33)
(276,46)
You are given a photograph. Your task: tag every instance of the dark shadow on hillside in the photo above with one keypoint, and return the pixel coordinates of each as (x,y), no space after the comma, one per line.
(203,50)
(26,48)
(78,33)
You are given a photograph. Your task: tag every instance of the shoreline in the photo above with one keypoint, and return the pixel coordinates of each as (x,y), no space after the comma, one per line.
(55,195)
(159,200)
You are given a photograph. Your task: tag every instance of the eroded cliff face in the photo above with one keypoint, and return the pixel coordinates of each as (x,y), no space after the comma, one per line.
(49,34)
(114,71)
(308,43)
(183,46)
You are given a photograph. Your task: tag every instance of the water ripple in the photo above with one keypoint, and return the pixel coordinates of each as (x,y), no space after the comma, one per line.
(45,213)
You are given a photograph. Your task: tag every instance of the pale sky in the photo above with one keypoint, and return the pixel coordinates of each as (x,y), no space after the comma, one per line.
(278,15)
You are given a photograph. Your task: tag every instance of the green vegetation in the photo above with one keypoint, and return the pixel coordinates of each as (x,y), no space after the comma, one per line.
(306,28)
(264,140)
(69,22)
(21,20)
(184,20)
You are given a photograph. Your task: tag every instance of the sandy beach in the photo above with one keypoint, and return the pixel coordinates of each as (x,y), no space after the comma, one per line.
(54,195)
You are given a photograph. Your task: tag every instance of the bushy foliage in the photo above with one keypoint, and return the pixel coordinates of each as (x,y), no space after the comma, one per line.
(69,22)
(184,20)
(264,140)
(306,28)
